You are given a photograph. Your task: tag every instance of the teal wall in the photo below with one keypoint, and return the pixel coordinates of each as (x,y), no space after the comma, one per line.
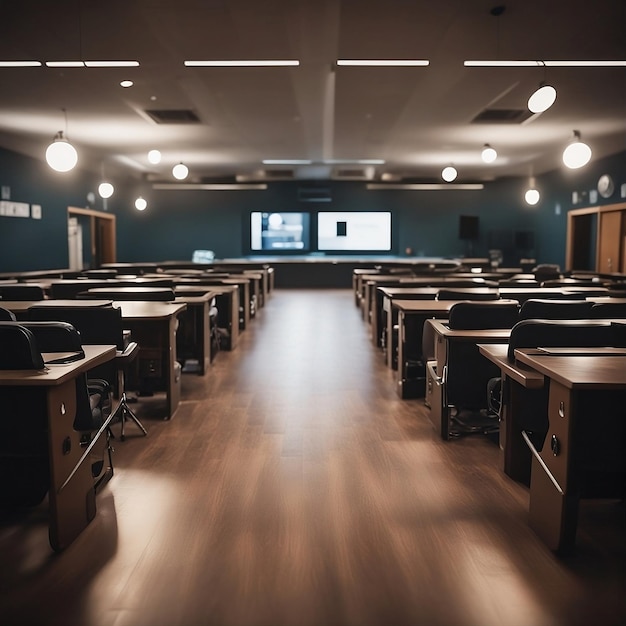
(178,222)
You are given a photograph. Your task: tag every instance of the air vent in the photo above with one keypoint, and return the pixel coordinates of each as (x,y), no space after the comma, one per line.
(173,116)
(314,194)
(279,174)
(351,174)
(502,116)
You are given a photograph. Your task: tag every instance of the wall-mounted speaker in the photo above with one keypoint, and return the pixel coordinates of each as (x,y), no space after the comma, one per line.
(468,227)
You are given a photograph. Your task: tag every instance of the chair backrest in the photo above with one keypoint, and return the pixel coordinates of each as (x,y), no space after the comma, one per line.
(534,333)
(19,348)
(478,315)
(552,309)
(6,315)
(476,293)
(55,336)
(96,325)
(22,291)
(608,310)
(161,294)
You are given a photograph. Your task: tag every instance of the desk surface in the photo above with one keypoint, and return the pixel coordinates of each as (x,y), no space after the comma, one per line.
(430,306)
(441,328)
(59,373)
(576,371)
(523,374)
(142,310)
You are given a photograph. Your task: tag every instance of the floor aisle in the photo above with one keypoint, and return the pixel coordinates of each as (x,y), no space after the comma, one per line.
(294,487)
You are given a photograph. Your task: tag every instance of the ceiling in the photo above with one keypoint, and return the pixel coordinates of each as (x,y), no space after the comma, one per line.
(416,119)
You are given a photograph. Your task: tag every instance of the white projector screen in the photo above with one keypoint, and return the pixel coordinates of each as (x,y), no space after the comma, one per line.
(354,230)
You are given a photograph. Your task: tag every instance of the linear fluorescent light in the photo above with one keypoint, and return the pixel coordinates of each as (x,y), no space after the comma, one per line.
(383,62)
(208,186)
(425,186)
(65,64)
(287,162)
(354,161)
(544,63)
(20,63)
(111,63)
(266,63)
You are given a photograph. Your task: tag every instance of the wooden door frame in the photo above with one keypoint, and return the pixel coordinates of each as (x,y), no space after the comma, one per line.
(100,225)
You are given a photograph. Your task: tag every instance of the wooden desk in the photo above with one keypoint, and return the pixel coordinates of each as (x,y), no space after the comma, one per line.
(20,307)
(587,425)
(522,390)
(411,371)
(227,298)
(153,327)
(193,338)
(72,503)
(443,338)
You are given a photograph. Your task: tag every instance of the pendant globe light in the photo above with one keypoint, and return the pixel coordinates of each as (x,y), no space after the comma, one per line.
(577,154)
(61,155)
(488,155)
(141,204)
(532,195)
(449,173)
(180,171)
(542,99)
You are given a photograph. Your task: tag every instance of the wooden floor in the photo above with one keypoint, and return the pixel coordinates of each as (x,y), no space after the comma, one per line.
(294,487)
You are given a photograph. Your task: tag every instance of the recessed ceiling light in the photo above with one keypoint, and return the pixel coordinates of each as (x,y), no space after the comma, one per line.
(111,63)
(126,83)
(65,64)
(287,162)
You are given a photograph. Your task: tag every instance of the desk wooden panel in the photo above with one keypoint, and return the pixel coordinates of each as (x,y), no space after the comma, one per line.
(193,338)
(520,384)
(72,506)
(587,423)
(153,327)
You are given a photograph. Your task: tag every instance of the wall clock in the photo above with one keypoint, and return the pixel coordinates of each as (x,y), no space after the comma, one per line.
(606,186)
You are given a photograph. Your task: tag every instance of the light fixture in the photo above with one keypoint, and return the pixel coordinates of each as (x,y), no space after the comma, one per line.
(180,171)
(244,63)
(577,154)
(488,155)
(542,99)
(61,154)
(126,83)
(105,189)
(384,62)
(530,63)
(449,173)
(140,204)
(532,195)
(154,156)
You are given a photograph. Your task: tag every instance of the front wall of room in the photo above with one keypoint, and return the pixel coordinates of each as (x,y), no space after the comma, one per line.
(178,222)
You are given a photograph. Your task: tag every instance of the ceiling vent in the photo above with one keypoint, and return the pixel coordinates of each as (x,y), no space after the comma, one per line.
(502,116)
(173,116)
(279,174)
(352,173)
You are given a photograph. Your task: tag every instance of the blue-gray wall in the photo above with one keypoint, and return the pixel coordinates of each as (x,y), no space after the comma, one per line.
(178,222)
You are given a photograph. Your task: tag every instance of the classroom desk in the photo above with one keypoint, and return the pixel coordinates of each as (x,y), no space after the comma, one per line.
(20,307)
(193,337)
(153,327)
(443,337)
(72,498)
(521,384)
(227,299)
(587,423)
(411,314)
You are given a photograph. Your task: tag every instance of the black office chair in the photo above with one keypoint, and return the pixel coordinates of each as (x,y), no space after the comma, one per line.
(553,309)
(466,371)
(472,293)
(101,326)
(21,291)
(6,315)
(608,310)
(160,294)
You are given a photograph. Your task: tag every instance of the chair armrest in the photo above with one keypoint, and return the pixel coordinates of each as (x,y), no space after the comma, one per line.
(128,354)
(431,366)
